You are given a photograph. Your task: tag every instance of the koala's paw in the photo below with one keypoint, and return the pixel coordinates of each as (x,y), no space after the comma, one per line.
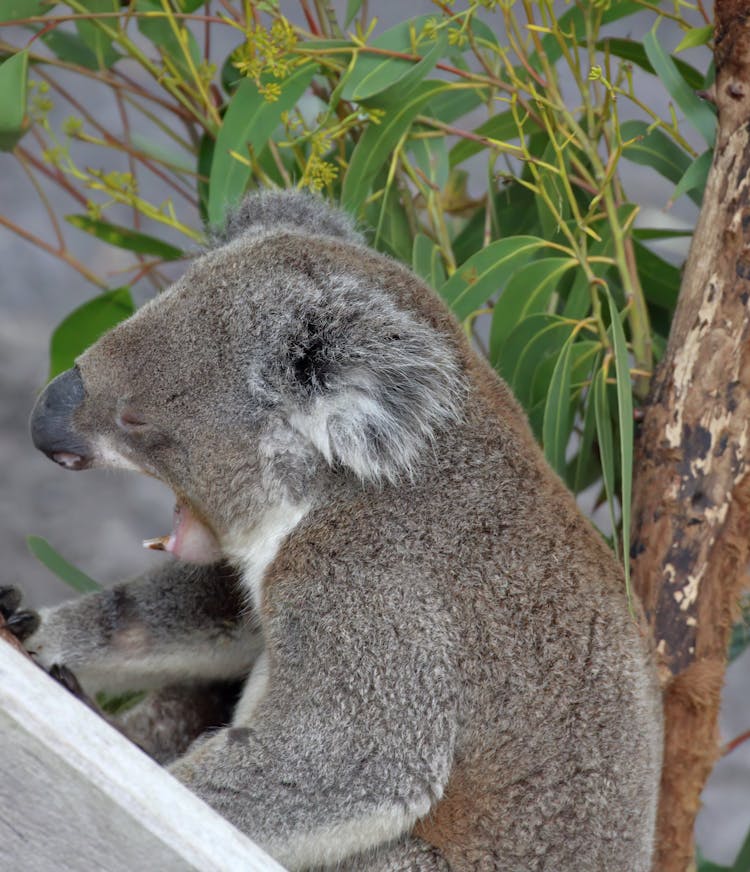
(67,679)
(21,623)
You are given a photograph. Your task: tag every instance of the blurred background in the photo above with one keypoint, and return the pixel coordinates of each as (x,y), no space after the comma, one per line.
(97,520)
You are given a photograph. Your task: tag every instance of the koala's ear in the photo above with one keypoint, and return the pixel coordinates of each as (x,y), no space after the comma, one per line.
(374,393)
(296,211)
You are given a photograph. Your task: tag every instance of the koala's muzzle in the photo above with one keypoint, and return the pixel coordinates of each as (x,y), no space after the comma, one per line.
(52,428)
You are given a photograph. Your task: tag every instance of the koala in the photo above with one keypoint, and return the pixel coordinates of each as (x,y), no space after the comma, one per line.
(413,650)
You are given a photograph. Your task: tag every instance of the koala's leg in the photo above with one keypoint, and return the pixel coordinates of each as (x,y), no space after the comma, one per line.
(169,719)
(348,738)
(177,625)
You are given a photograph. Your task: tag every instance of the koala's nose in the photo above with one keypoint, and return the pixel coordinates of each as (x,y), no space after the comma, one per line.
(52,429)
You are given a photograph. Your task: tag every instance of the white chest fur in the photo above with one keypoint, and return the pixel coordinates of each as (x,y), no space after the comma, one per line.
(254,551)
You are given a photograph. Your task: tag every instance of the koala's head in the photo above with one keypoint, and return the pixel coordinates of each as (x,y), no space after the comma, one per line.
(265,373)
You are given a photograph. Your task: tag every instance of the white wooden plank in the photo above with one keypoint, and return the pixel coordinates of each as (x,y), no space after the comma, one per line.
(75,795)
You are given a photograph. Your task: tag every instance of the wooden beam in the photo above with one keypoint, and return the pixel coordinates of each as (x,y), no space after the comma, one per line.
(77,796)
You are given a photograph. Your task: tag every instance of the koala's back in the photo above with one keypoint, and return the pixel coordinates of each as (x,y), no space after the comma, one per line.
(557,754)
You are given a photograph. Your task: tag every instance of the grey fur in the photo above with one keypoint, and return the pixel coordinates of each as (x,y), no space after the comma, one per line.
(451,677)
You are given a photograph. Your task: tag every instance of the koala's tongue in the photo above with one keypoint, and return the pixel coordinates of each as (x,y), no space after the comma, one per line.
(190,540)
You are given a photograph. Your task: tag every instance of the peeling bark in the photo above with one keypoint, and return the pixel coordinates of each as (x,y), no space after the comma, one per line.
(691,508)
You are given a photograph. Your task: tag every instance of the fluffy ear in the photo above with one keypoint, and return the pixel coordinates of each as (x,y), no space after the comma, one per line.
(376,390)
(286,210)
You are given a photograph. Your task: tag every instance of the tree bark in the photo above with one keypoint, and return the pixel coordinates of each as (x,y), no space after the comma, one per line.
(691,506)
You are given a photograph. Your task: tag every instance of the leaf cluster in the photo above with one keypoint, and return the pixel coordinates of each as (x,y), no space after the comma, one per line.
(481,144)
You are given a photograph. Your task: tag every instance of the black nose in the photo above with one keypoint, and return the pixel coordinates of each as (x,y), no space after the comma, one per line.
(52,428)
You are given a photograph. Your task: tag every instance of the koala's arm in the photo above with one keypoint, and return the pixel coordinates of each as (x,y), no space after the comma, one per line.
(352,739)
(177,624)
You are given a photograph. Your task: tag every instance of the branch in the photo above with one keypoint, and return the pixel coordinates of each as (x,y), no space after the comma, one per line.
(691,508)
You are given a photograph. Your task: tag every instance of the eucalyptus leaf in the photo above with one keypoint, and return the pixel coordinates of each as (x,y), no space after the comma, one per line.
(633,51)
(693,181)
(697,111)
(625,422)
(69,47)
(56,563)
(124,237)
(557,411)
(695,36)
(182,50)
(249,121)
(527,292)
(376,145)
(16,10)
(605,441)
(96,33)
(85,325)
(375,73)
(427,261)
(485,273)
(654,149)
(13,74)
(501,127)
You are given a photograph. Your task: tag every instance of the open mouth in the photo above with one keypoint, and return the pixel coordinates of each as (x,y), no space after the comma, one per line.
(190,540)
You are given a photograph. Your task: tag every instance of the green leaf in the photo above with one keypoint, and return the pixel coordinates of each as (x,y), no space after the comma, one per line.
(455,103)
(586,459)
(501,127)
(693,181)
(524,361)
(378,142)
(606,447)
(427,261)
(392,232)
(352,8)
(742,861)
(374,73)
(660,279)
(163,152)
(13,99)
(15,10)
(431,156)
(740,631)
(124,237)
(94,35)
(190,5)
(161,33)
(698,112)
(85,325)
(625,419)
(572,21)
(654,149)
(70,48)
(117,704)
(532,341)
(550,183)
(557,411)
(696,36)
(483,274)
(528,291)
(249,121)
(46,554)
(633,51)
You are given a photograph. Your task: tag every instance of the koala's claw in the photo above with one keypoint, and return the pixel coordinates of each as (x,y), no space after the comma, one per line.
(67,679)
(10,600)
(21,624)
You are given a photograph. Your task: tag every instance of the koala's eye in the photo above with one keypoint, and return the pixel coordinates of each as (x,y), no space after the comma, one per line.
(131,421)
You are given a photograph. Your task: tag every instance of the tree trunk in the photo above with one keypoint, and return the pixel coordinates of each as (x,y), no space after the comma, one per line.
(691,508)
